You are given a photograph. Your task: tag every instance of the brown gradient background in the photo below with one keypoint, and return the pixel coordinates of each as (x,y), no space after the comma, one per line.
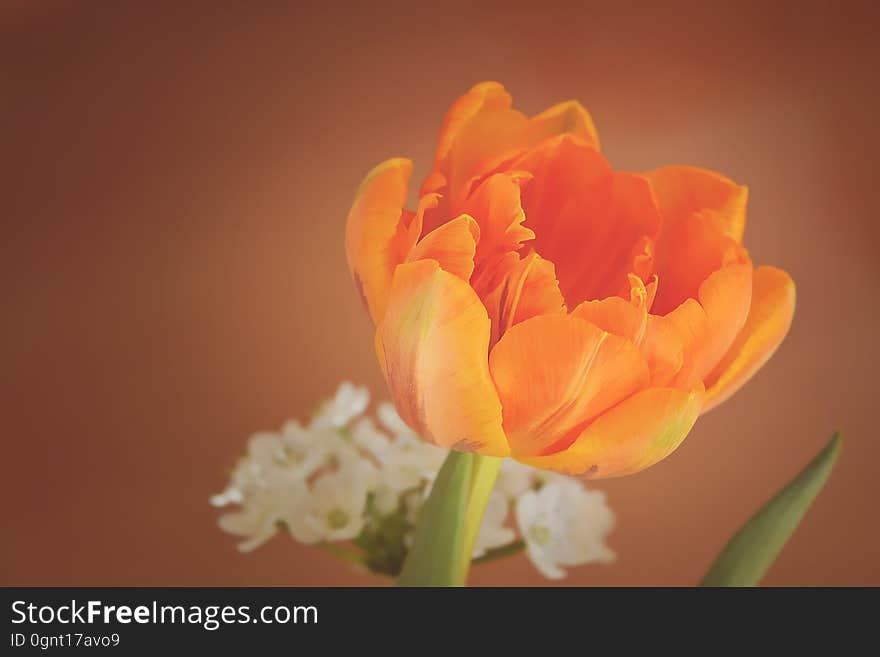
(175,183)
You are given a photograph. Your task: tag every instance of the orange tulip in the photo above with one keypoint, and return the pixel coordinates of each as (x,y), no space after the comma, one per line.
(540,305)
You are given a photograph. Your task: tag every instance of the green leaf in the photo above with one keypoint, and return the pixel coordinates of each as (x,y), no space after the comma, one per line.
(753,549)
(434,559)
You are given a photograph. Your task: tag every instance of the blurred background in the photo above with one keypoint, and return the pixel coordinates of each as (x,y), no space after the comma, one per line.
(176,178)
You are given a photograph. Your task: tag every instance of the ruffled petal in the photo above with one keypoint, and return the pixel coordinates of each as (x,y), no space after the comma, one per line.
(703,221)
(709,326)
(659,341)
(375,242)
(615,315)
(568,117)
(770,315)
(416,221)
(635,434)
(663,349)
(628,319)
(452,245)
(496,206)
(479,131)
(433,345)
(554,374)
(682,191)
(528,288)
(482,132)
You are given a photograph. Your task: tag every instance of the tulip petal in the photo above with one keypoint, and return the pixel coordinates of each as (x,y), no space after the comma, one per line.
(483,97)
(710,326)
(659,341)
(479,131)
(452,245)
(416,225)
(555,373)
(495,204)
(770,315)
(594,224)
(615,315)
(634,435)
(433,344)
(563,118)
(682,191)
(663,349)
(703,221)
(627,319)
(374,241)
(482,131)
(529,288)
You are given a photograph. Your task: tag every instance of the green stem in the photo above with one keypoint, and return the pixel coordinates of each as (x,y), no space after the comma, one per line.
(485,473)
(450,521)
(500,552)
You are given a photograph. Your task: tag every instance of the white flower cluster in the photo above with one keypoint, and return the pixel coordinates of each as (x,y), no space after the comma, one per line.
(347,477)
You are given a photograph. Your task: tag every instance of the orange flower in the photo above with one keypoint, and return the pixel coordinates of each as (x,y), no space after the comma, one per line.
(539,304)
